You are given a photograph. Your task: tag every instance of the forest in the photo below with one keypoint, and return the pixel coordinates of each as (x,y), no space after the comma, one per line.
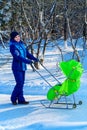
(36,20)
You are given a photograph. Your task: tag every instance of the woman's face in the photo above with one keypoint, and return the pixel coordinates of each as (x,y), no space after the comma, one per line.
(17,38)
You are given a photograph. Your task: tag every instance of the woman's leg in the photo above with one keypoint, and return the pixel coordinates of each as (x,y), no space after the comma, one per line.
(18,89)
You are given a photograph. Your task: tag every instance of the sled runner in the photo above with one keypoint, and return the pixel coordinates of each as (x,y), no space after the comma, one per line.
(57,96)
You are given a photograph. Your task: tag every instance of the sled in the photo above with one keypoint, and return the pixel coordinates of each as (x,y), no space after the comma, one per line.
(57,95)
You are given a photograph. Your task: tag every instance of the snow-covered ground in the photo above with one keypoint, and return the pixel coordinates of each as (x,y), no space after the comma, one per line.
(35,116)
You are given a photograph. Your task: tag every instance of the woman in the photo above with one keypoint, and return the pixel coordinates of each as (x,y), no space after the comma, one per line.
(21,57)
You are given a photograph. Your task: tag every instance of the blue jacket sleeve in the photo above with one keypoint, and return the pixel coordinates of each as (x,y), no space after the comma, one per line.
(16,54)
(30,56)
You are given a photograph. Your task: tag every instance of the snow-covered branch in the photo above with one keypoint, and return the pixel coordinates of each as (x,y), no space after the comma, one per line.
(26,17)
(2,41)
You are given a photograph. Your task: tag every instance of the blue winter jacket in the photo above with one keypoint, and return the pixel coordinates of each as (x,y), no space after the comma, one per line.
(21,56)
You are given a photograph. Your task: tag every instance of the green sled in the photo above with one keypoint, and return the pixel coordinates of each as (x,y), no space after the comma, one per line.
(73,71)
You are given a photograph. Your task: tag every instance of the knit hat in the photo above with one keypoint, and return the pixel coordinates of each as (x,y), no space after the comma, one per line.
(13,35)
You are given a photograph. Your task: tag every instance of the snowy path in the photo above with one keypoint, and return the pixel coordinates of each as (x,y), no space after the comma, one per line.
(35,116)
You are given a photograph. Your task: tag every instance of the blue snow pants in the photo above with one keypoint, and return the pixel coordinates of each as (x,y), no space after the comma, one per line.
(17,93)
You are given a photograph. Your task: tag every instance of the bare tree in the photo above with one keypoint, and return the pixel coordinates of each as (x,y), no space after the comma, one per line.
(41,20)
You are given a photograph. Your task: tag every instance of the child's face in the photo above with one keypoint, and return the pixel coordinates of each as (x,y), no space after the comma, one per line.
(17,38)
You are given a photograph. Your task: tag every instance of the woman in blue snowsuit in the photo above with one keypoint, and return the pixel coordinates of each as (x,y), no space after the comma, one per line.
(21,57)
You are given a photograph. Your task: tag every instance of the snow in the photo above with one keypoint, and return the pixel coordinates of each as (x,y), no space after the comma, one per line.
(35,116)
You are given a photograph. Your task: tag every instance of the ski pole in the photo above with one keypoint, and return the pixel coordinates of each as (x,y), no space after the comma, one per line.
(50,73)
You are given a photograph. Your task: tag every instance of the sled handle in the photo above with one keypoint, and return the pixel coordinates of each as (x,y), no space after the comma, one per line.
(50,73)
(44,79)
